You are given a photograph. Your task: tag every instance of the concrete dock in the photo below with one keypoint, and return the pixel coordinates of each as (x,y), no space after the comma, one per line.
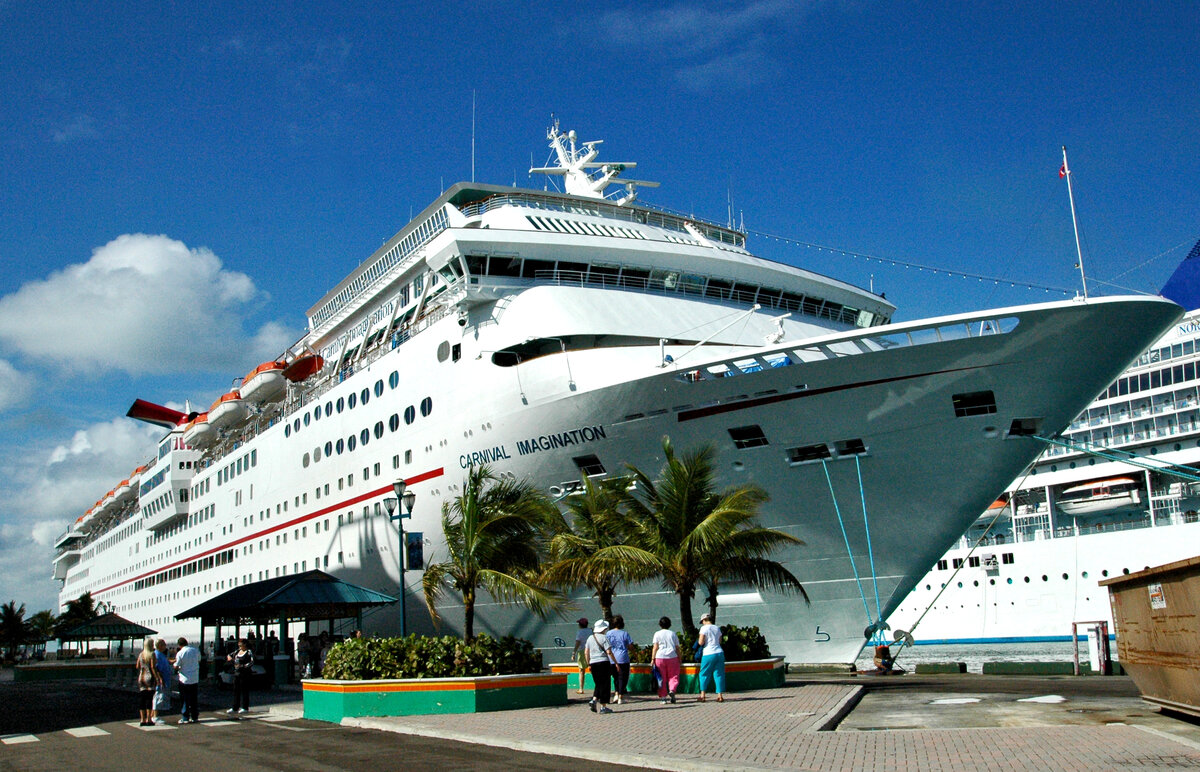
(940,722)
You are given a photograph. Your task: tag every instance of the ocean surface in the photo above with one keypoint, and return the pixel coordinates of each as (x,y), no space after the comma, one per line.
(976,654)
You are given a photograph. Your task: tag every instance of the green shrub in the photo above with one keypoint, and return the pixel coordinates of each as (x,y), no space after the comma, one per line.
(739,643)
(361,659)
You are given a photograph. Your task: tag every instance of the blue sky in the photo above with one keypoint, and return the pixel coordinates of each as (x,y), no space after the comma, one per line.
(179,185)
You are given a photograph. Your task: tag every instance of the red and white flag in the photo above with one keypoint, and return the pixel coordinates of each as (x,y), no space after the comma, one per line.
(1062,170)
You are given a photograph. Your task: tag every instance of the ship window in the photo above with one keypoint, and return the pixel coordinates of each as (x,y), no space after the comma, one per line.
(328,449)
(717,289)
(287,432)
(307,418)
(328,409)
(973,562)
(304,461)
(378,388)
(340,481)
(394,422)
(456,352)
(254,457)
(426,407)
(351,442)
(1024,427)
(808,453)
(854,447)
(958,562)
(317,413)
(748,437)
(364,436)
(1006,558)
(942,564)
(378,429)
(410,414)
(352,402)
(589,465)
(408,456)
(395,462)
(296,425)
(365,396)
(341,403)
(394,379)
(974,403)
(341,445)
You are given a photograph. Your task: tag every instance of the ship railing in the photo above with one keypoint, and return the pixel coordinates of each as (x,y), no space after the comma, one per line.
(845,344)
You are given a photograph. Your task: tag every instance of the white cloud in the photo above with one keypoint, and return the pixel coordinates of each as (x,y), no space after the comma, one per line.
(80,126)
(141,304)
(15,387)
(46,489)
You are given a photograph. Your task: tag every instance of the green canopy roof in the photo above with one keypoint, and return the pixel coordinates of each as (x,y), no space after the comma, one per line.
(107,627)
(310,595)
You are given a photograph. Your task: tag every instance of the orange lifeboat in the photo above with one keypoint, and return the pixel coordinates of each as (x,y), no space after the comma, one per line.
(228,411)
(199,434)
(304,368)
(122,492)
(264,384)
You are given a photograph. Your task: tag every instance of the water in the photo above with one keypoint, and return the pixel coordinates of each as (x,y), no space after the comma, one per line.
(976,654)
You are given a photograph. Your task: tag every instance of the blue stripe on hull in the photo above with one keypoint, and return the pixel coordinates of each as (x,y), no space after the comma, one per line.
(1018,639)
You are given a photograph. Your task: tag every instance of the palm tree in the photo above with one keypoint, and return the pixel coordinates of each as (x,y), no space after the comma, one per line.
(493,536)
(588,547)
(80,610)
(12,627)
(700,537)
(41,625)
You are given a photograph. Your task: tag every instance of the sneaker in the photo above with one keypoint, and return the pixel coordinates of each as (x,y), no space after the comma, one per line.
(672,698)
(606,710)
(663,700)
(230,712)
(159,722)
(592,706)
(243,710)
(183,721)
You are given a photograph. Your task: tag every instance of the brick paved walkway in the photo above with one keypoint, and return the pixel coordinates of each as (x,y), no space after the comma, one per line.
(778,728)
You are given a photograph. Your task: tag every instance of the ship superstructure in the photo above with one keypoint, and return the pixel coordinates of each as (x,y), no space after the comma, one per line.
(558,335)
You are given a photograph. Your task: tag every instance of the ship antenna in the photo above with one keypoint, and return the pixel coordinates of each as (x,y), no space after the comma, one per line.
(473,135)
(1066,172)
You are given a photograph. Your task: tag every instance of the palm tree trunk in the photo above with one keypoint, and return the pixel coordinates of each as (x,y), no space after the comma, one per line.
(711,587)
(606,601)
(686,593)
(469,615)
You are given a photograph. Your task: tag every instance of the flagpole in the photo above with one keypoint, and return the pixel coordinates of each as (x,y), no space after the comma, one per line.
(1074,222)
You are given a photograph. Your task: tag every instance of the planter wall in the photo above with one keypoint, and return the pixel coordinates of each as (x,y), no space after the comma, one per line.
(328,700)
(739,676)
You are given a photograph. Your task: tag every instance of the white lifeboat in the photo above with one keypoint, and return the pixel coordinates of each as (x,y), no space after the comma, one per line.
(123,491)
(229,410)
(265,383)
(135,477)
(199,433)
(1100,496)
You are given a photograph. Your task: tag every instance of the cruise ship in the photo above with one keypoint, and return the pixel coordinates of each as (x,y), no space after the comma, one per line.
(1118,491)
(556,335)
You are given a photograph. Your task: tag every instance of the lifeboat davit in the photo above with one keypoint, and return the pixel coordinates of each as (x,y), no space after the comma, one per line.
(229,410)
(199,433)
(304,368)
(264,384)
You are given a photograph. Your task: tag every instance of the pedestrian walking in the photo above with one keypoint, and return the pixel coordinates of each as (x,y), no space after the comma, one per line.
(600,660)
(712,659)
(243,661)
(147,680)
(578,654)
(620,641)
(187,667)
(166,672)
(665,656)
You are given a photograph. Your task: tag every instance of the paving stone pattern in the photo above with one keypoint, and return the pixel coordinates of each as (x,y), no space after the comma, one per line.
(778,728)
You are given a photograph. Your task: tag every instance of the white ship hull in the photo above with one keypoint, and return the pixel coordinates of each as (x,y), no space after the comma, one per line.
(1050,554)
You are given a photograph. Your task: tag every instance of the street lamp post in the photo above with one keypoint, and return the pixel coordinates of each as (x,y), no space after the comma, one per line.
(408,498)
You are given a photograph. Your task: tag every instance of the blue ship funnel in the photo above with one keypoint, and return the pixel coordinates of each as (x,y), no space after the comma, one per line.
(1184,285)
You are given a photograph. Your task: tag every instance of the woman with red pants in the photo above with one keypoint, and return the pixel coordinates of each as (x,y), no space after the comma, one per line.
(665,655)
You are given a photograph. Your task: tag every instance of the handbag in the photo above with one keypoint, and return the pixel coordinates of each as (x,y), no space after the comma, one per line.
(657,675)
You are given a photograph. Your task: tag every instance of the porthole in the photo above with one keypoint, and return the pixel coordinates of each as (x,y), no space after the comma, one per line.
(341,404)
(1178,446)
(410,414)
(364,436)
(287,430)
(1054,467)
(1027,580)
(328,449)
(1010,580)
(304,461)
(927,587)
(1045,578)
(1072,464)
(394,381)
(350,443)
(296,425)
(317,413)
(1125,571)
(317,453)
(307,418)
(1104,572)
(341,445)
(426,406)
(1091,462)
(365,397)
(1066,576)
(960,585)
(976,582)
(328,409)
(1085,574)
(378,429)
(993,583)
(379,388)
(443,352)
(394,422)
(352,402)
(1154,451)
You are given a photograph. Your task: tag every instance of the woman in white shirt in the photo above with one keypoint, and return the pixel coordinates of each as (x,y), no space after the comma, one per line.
(600,660)
(712,659)
(665,656)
